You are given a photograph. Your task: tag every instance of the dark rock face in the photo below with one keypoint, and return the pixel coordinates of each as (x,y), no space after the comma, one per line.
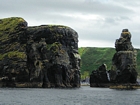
(99,77)
(40,56)
(124,60)
(123,64)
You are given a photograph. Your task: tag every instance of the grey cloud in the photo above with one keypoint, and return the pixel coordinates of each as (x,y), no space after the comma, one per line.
(115,20)
(128,3)
(113,16)
(62,6)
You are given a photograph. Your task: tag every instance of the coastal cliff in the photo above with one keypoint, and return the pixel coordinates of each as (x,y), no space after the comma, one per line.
(40,56)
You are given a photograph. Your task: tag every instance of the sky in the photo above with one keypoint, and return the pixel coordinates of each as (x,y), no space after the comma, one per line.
(98,22)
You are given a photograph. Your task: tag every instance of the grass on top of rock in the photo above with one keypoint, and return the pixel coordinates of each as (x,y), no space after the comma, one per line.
(57,26)
(8,26)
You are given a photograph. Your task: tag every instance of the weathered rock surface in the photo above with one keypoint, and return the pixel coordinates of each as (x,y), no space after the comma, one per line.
(124,60)
(99,77)
(40,56)
(123,64)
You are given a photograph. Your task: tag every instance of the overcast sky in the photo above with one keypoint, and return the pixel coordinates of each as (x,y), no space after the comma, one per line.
(98,22)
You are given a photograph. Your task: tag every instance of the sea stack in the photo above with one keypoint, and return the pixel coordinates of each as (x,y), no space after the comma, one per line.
(124,60)
(123,69)
(40,56)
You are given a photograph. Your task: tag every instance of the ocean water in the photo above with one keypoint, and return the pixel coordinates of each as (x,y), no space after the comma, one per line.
(78,96)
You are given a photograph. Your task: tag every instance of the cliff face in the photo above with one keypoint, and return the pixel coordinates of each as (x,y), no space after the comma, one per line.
(40,56)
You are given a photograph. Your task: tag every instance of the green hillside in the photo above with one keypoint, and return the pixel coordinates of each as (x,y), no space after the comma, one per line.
(93,57)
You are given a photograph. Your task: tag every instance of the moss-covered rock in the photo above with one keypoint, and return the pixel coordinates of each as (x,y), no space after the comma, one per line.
(40,55)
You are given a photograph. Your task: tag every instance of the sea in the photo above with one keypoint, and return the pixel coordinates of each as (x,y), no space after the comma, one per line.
(76,96)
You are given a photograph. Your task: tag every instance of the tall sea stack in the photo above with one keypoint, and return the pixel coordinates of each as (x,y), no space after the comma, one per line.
(123,70)
(124,60)
(39,56)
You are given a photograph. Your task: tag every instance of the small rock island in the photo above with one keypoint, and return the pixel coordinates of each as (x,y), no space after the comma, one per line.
(39,56)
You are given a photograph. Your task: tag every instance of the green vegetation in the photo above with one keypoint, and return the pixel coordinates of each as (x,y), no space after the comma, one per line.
(8,26)
(55,47)
(9,31)
(138,61)
(92,58)
(51,27)
(10,23)
(11,54)
(58,26)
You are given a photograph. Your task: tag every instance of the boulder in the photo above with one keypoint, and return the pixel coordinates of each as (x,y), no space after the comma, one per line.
(38,56)
(99,77)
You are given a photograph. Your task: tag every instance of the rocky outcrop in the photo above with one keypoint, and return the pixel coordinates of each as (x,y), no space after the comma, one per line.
(40,56)
(123,65)
(99,77)
(124,60)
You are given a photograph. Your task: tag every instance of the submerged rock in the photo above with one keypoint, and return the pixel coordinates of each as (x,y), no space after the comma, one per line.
(31,56)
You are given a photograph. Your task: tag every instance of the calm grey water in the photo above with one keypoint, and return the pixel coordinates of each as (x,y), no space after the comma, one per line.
(82,96)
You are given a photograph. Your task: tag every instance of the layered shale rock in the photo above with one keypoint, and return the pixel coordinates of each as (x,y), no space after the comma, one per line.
(40,56)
